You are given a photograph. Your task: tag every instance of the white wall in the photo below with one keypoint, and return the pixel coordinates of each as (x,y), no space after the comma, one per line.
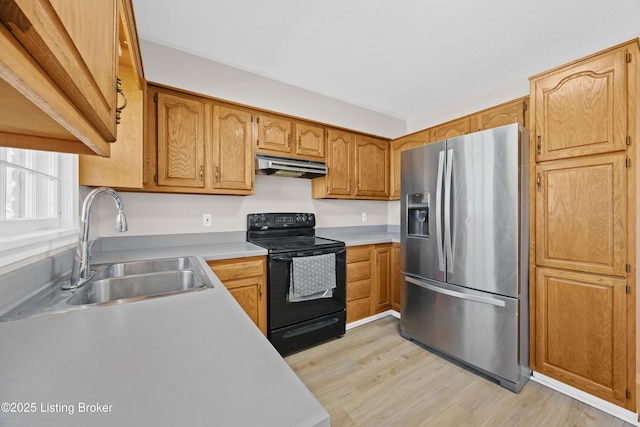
(150,213)
(504,93)
(182,70)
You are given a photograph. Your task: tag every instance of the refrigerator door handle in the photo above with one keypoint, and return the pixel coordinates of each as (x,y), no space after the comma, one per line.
(447,211)
(449,292)
(438,209)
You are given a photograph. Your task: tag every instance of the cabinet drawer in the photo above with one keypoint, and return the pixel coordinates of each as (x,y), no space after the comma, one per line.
(358,309)
(358,253)
(359,289)
(238,268)
(358,271)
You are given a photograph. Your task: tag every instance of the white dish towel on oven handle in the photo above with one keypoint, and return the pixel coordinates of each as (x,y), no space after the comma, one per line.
(312,277)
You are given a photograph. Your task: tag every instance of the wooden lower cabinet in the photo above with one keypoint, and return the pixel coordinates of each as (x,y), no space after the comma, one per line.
(359,282)
(381,295)
(580,332)
(246,280)
(395,277)
(373,276)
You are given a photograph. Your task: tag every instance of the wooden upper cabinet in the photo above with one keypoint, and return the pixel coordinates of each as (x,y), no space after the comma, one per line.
(372,166)
(195,145)
(274,134)
(501,115)
(181,141)
(451,129)
(581,216)
(358,167)
(90,26)
(398,146)
(125,166)
(581,109)
(232,153)
(581,332)
(280,136)
(309,141)
(340,162)
(58,88)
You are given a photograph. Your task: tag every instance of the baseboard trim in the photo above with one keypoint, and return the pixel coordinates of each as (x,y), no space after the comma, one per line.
(602,405)
(372,318)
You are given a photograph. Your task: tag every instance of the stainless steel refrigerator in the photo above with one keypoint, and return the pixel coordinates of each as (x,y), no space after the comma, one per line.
(465,250)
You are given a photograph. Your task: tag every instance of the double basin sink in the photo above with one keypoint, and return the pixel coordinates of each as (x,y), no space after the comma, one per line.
(119,283)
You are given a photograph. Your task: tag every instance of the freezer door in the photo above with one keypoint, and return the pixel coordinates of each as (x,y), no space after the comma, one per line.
(481,211)
(477,328)
(421,223)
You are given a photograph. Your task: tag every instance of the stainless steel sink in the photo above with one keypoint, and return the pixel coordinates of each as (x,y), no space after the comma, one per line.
(117,284)
(137,286)
(143,267)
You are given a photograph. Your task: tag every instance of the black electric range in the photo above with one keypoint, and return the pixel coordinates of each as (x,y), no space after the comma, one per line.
(293,326)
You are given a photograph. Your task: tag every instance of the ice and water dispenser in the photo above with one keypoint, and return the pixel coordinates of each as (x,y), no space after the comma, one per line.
(418,214)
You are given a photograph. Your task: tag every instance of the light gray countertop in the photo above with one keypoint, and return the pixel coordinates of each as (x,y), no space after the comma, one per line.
(213,246)
(191,360)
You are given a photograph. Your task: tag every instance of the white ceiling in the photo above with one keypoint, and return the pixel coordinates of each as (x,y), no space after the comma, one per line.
(402,58)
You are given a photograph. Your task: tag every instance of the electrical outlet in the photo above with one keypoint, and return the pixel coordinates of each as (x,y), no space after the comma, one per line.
(206,220)
(364,216)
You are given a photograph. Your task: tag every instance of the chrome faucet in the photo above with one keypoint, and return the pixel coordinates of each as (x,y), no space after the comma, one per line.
(81,271)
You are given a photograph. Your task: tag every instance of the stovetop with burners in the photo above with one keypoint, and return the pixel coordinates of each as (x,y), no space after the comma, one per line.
(285,232)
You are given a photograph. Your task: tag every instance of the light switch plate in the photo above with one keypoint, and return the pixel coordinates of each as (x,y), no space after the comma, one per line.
(206,220)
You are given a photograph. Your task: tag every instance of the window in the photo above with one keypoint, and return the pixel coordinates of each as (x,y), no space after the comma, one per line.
(38,202)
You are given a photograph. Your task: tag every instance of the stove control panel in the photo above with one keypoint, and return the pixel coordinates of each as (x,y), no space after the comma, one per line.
(265,221)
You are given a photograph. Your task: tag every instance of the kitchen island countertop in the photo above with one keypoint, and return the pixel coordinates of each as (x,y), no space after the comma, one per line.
(189,359)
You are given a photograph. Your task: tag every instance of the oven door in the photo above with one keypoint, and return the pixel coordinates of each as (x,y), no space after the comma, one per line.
(282,312)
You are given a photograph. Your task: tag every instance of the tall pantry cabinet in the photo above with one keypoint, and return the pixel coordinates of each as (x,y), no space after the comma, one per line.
(583,277)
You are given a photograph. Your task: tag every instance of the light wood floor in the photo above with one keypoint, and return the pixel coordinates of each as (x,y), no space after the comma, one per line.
(373,377)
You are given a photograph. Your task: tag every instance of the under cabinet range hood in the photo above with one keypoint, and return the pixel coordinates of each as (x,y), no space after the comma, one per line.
(282,166)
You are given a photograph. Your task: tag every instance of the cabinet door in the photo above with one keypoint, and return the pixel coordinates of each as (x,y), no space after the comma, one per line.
(398,146)
(232,154)
(245,278)
(381,299)
(274,134)
(581,220)
(76,44)
(181,141)
(124,167)
(309,140)
(457,127)
(372,158)
(582,108)
(395,276)
(339,162)
(505,114)
(580,332)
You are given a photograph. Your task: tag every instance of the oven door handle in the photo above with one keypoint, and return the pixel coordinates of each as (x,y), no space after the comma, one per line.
(310,328)
(290,258)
